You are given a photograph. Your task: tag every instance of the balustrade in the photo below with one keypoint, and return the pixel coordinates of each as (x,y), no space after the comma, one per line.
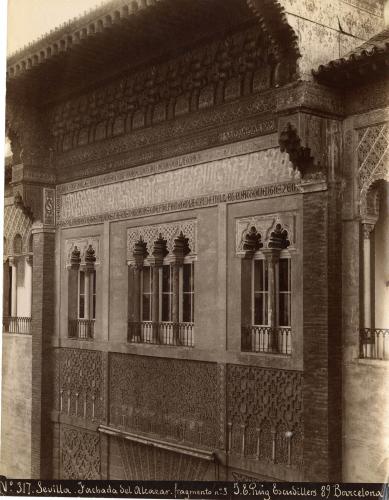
(81,329)
(17,324)
(374,343)
(163,333)
(267,339)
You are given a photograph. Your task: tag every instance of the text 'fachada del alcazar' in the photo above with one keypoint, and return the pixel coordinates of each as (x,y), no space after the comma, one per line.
(196,244)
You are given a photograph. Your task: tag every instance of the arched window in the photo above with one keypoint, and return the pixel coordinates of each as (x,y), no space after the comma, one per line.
(17,244)
(162,292)
(266,292)
(82,289)
(374,336)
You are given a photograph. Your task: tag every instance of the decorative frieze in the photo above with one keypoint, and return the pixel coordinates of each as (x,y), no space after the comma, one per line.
(263,227)
(220,176)
(236,149)
(168,232)
(82,245)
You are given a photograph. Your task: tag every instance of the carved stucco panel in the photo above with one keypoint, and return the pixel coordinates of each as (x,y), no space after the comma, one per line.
(373,155)
(82,244)
(255,169)
(266,404)
(173,398)
(80,454)
(264,226)
(168,231)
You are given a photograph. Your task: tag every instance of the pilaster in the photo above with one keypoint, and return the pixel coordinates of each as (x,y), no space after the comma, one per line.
(42,328)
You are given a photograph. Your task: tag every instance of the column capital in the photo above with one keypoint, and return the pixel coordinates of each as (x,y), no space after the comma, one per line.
(367,228)
(12,261)
(39,227)
(272,255)
(29,259)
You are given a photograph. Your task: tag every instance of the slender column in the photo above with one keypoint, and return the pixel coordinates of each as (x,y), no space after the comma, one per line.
(179,253)
(156,262)
(367,228)
(87,295)
(13,265)
(176,292)
(137,269)
(6,290)
(28,284)
(272,257)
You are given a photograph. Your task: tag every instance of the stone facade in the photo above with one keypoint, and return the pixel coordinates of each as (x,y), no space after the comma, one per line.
(194,225)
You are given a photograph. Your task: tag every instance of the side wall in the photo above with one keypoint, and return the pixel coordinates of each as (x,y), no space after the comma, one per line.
(16,406)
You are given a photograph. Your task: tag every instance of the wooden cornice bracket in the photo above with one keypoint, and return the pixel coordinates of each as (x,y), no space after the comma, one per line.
(19,203)
(313,143)
(299,155)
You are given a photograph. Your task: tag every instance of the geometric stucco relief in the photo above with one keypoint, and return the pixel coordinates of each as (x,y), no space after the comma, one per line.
(373,155)
(264,413)
(15,222)
(264,226)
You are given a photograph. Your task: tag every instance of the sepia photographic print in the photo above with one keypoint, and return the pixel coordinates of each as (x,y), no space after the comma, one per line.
(196,243)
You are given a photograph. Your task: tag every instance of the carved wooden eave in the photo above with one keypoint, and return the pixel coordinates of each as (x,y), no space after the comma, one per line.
(273,20)
(115,38)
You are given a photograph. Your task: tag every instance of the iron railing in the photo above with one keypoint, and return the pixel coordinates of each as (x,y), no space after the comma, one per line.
(83,329)
(164,333)
(374,343)
(267,339)
(17,324)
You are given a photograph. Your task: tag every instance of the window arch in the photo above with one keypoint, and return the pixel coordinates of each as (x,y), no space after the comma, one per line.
(161,279)
(266,284)
(17,244)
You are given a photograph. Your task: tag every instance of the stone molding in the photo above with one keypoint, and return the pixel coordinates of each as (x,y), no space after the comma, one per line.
(169,231)
(264,226)
(82,244)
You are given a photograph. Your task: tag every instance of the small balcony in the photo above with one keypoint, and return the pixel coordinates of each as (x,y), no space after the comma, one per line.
(165,333)
(17,324)
(267,340)
(374,343)
(82,329)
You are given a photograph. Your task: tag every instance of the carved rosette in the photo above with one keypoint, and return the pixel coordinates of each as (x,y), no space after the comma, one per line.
(170,232)
(257,232)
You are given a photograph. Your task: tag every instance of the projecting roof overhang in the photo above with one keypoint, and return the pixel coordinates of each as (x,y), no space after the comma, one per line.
(122,35)
(366,63)
(119,36)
